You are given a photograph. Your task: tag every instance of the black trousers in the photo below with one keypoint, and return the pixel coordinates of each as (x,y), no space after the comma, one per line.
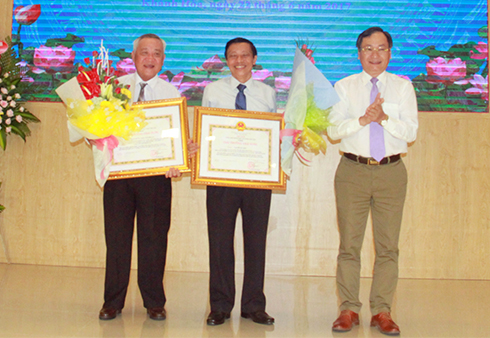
(150,199)
(223,204)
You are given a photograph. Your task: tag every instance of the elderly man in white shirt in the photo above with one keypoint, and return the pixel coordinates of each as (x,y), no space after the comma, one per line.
(147,197)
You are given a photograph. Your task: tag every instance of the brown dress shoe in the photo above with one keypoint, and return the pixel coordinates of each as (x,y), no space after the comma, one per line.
(346,321)
(157,313)
(108,313)
(383,322)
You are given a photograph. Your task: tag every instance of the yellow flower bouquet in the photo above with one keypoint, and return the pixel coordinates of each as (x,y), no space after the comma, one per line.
(99,109)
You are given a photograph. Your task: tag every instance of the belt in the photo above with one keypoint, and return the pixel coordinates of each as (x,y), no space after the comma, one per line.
(372,161)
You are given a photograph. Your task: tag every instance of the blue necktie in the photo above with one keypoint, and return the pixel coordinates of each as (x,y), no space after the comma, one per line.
(376,132)
(241,100)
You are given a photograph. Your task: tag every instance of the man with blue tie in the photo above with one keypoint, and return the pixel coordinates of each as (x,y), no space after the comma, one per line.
(375,120)
(239,91)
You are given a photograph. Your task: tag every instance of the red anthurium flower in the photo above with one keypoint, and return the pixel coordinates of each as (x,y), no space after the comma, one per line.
(27,15)
(90,90)
(86,77)
(87,61)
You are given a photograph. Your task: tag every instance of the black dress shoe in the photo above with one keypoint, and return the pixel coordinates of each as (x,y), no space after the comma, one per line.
(260,317)
(108,313)
(217,317)
(157,313)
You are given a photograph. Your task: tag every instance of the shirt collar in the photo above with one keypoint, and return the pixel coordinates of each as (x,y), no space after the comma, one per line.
(234,82)
(366,78)
(150,82)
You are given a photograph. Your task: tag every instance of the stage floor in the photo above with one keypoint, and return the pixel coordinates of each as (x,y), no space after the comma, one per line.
(46,301)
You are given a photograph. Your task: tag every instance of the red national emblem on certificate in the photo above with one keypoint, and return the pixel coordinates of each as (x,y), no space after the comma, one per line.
(240,126)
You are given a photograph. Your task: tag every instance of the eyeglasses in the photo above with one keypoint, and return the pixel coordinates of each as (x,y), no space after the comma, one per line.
(370,50)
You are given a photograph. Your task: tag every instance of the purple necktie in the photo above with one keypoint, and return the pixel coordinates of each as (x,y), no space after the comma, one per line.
(376,131)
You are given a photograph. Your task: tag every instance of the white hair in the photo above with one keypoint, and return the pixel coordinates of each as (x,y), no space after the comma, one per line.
(148,36)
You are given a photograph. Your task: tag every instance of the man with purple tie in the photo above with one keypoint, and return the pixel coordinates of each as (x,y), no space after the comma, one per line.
(239,91)
(375,120)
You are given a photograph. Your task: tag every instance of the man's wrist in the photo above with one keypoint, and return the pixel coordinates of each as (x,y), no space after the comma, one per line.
(363,121)
(384,121)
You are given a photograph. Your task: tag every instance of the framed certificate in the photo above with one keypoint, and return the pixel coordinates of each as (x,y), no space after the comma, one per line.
(161,144)
(238,148)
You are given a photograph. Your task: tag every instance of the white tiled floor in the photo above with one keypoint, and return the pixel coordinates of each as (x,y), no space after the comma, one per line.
(42,301)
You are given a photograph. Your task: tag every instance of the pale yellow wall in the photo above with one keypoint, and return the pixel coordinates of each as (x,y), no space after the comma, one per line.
(54,207)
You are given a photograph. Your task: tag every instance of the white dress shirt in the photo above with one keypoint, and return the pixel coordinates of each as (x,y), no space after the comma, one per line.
(157,88)
(400,104)
(222,94)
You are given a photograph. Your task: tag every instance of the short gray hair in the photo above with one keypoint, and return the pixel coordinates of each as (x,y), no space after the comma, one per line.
(148,36)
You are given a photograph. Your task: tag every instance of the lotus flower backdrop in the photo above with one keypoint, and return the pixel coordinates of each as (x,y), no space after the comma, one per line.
(445,60)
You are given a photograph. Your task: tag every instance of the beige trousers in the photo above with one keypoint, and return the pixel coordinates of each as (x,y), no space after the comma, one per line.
(360,188)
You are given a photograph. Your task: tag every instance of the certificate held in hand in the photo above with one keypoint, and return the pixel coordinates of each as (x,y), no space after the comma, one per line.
(238,148)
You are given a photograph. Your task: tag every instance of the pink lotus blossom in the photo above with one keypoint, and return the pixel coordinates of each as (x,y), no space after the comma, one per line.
(282,82)
(440,70)
(404,77)
(482,47)
(27,15)
(24,67)
(177,79)
(193,84)
(164,77)
(56,59)
(125,66)
(3,47)
(37,70)
(213,64)
(27,79)
(190,88)
(480,86)
(261,75)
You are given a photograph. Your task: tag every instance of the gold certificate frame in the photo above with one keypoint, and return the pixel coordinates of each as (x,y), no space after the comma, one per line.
(160,145)
(238,148)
